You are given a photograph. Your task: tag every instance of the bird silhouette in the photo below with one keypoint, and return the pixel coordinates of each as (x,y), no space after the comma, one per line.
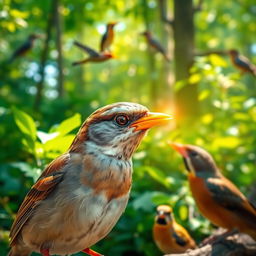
(94,56)
(24,48)
(155,44)
(242,63)
(108,37)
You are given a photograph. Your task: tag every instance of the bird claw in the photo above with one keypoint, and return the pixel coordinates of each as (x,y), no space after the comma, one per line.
(45,252)
(91,252)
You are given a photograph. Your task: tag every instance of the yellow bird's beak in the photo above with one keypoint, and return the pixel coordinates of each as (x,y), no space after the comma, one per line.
(151,120)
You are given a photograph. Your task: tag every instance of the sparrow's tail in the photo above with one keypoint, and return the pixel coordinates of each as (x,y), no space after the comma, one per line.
(166,58)
(79,62)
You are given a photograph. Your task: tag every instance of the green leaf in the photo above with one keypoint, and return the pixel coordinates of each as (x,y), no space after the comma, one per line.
(195,223)
(59,144)
(44,137)
(25,123)
(195,78)
(207,118)
(144,202)
(226,142)
(179,85)
(69,124)
(216,60)
(162,198)
(203,95)
(159,176)
(29,143)
(183,212)
(28,170)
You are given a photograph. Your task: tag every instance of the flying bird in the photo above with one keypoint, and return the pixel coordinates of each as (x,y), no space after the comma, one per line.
(108,37)
(80,195)
(155,44)
(94,56)
(242,63)
(217,198)
(24,48)
(169,236)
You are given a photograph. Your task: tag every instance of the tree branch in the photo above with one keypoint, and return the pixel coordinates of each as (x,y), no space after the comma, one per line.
(198,7)
(44,55)
(163,7)
(236,245)
(207,53)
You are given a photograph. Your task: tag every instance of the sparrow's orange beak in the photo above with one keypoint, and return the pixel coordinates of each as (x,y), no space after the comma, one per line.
(179,148)
(152,119)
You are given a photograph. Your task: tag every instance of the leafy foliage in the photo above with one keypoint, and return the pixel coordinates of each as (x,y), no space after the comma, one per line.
(31,138)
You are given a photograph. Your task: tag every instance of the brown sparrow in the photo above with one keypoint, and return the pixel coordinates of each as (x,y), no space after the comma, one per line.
(80,195)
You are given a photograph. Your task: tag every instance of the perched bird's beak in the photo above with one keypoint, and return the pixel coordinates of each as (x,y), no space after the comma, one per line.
(182,150)
(179,148)
(152,119)
(160,214)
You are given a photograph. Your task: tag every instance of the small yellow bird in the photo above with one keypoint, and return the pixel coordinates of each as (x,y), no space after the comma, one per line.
(169,236)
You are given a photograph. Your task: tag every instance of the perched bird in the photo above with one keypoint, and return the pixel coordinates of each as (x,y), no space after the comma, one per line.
(153,43)
(217,198)
(80,195)
(25,47)
(169,236)
(108,37)
(93,55)
(242,63)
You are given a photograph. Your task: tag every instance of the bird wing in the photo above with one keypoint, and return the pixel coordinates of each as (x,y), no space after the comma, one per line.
(89,50)
(179,238)
(45,184)
(157,45)
(243,62)
(226,194)
(103,41)
(21,50)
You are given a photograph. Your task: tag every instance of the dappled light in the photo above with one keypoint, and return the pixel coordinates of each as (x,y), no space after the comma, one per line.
(194,60)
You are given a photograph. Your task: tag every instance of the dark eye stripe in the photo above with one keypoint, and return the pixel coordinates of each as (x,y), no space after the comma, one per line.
(193,153)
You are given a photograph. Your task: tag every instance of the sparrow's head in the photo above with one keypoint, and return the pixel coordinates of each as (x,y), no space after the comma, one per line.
(33,36)
(164,215)
(111,24)
(117,129)
(146,33)
(198,162)
(233,52)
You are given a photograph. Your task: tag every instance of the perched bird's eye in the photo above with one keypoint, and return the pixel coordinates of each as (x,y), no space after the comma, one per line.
(122,119)
(194,153)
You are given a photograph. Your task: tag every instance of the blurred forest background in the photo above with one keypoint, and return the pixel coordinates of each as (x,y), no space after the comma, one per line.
(44,99)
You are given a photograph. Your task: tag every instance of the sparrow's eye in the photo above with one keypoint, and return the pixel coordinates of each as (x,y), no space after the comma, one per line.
(193,154)
(122,119)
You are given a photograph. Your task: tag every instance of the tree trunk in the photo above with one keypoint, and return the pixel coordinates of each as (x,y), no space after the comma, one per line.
(40,85)
(151,61)
(58,24)
(166,101)
(186,99)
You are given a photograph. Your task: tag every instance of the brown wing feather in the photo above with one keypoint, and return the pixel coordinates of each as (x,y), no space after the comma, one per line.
(229,196)
(50,177)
